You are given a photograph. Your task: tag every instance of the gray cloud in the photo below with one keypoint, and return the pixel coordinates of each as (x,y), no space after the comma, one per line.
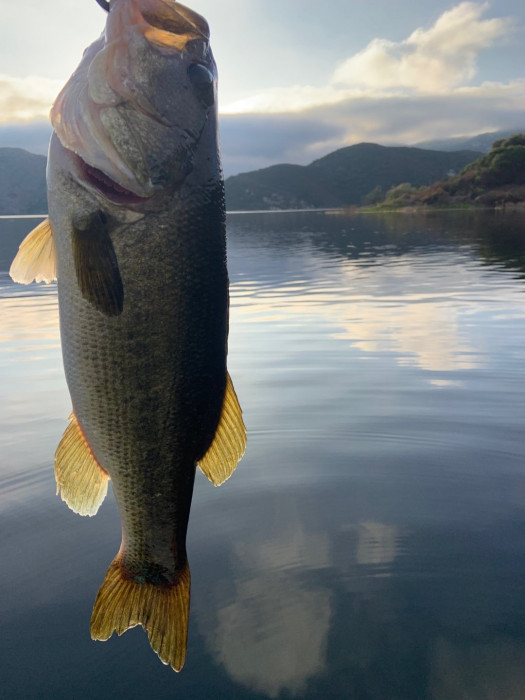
(252,141)
(391,92)
(405,119)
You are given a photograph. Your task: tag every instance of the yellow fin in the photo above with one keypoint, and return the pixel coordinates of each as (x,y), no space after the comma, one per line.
(81,481)
(36,257)
(229,443)
(163,611)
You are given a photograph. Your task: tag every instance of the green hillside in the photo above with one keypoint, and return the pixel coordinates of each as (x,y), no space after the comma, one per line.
(344,177)
(495,179)
(22,182)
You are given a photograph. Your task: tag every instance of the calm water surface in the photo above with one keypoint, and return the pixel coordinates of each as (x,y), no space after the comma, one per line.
(371,544)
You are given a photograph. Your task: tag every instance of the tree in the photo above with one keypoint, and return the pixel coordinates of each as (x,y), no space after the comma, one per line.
(374,197)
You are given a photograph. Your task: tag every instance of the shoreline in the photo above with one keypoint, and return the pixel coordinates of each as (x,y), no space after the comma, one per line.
(346,210)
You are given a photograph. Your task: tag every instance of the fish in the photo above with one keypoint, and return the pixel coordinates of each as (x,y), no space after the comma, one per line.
(136,240)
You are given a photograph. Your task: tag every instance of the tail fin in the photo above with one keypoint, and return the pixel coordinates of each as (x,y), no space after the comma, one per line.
(161,610)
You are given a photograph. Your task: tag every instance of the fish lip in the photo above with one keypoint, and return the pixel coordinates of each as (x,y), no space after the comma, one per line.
(93,178)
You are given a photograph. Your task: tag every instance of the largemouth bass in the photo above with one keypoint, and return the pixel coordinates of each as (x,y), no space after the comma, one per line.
(136,239)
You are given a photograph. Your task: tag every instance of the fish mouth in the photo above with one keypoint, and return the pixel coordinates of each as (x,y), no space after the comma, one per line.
(109,188)
(95,179)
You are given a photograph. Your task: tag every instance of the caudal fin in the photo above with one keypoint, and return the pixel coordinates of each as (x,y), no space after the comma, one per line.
(163,611)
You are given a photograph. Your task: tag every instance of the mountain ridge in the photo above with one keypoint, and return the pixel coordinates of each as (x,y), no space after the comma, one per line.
(22,182)
(341,178)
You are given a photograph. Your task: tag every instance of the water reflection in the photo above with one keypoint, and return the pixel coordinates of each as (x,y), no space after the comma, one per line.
(272,635)
(371,543)
(27,321)
(419,310)
(271,631)
(494,670)
(377,544)
(420,328)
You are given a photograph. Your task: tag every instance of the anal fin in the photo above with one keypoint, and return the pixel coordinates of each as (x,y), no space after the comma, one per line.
(229,443)
(162,610)
(81,481)
(36,257)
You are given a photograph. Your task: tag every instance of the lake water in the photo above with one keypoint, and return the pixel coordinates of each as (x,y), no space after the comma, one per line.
(371,544)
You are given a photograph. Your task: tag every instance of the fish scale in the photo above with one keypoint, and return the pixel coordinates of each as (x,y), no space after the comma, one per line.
(150,368)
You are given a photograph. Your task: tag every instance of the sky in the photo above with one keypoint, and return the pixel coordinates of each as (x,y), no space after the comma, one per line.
(299,78)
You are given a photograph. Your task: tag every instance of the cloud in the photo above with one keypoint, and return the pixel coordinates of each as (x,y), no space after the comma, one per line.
(256,141)
(428,62)
(431,60)
(290,99)
(251,141)
(391,93)
(26,99)
(386,118)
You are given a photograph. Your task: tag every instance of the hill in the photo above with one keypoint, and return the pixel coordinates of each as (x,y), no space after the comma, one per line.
(22,182)
(344,177)
(495,179)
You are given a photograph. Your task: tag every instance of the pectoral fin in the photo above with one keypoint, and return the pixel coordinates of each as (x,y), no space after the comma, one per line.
(36,257)
(229,443)
(81,481)
(96,265)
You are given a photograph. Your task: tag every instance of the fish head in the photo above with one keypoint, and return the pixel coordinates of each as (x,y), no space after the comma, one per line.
(133,116)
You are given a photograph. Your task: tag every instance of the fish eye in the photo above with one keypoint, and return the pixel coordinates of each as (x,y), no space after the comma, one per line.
(202,81)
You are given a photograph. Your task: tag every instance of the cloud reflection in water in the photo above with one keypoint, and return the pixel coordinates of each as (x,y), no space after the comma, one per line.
(392,313)
(272,637)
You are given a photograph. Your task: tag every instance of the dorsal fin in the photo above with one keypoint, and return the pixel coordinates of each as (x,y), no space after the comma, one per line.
(229,443)
(36,257)
(81,481)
